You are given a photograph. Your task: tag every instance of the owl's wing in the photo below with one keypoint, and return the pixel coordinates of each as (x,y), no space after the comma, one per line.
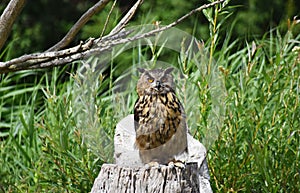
(136,115)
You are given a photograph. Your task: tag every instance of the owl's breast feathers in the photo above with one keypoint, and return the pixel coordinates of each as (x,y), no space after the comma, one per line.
(157,118)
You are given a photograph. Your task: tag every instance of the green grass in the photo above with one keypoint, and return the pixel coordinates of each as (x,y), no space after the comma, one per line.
(44,151)
(57,126)
(258,148)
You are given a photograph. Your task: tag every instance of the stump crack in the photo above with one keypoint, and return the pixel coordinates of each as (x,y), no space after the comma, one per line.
(165,181)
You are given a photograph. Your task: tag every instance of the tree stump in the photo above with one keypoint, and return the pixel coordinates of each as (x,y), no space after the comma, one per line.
(129,175)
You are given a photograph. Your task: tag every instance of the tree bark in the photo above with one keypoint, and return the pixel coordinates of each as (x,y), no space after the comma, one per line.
(8,18)
(162,179)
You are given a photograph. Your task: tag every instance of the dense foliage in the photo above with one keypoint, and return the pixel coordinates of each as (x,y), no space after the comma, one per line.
(43,144)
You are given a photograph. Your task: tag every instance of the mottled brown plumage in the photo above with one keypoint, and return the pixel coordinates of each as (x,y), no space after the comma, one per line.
(161,131)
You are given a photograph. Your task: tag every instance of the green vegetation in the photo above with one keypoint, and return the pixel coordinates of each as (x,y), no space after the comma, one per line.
(54,140)
(258,147)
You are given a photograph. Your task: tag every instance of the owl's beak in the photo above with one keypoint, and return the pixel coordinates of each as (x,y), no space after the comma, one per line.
(158,85)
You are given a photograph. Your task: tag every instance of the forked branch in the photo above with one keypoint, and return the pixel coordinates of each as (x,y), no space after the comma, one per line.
(78,25)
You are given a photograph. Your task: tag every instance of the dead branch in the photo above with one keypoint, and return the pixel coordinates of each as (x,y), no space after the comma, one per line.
(126,18)
(78,25)
(8,18)
(153,32)
(91,47)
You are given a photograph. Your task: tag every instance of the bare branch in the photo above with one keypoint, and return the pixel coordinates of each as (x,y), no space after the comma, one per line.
(205,6)
(56,58)
(78,25)
(126,18)
(91,47)
(8,17)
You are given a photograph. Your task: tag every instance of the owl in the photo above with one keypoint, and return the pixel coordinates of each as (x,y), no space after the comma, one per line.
(159,118)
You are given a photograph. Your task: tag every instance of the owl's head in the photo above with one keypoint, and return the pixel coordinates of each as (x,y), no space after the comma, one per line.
(156,81)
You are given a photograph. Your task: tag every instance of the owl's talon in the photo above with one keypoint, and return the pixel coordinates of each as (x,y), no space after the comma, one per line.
(176,163)
(180,164)
(152,164)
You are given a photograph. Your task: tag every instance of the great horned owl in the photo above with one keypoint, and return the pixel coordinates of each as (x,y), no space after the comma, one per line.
(160,122)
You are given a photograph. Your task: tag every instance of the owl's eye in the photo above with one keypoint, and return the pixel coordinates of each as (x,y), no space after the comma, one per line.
(163,80)
(150,80)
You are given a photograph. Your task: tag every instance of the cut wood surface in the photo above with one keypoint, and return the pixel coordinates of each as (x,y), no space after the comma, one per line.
(128,174)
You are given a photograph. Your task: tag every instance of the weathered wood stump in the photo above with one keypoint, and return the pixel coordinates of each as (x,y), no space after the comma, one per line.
(129,175)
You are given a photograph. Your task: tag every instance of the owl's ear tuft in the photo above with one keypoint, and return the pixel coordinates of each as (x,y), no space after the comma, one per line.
(141,70)
(169,70)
